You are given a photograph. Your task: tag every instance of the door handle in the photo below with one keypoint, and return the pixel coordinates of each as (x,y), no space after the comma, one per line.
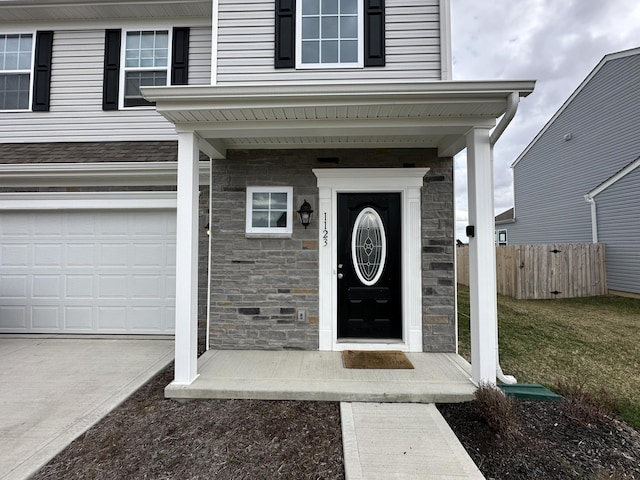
(340,275)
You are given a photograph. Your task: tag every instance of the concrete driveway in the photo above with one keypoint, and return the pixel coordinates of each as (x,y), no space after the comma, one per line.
(53,389)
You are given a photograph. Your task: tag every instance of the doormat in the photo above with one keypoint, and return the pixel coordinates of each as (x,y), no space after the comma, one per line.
(376,359)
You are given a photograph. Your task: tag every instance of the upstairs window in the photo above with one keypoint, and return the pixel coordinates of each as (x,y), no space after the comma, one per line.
(330,33)
(147,58)
(146,63)
(15,71)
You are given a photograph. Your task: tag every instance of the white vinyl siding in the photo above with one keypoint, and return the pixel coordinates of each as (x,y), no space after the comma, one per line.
(246,45)
(76,96)
(619,229)
(200,56)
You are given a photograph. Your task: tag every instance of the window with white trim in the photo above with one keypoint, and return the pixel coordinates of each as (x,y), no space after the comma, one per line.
(501,237)
(15,71)
(330,33)
(146,63)
(269,211)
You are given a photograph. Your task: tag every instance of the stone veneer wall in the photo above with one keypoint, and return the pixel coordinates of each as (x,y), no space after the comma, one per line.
(258,284)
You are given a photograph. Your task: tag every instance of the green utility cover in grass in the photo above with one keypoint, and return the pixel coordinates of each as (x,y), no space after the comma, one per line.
(530,391)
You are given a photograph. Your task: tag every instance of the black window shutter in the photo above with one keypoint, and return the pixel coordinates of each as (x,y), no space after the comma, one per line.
(180,56)
(374,33)
(285,23)
(42,71)
(111,81)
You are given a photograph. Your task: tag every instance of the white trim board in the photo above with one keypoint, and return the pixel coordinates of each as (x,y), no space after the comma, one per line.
(87,201)
(614,178)
(94,174)
(408,182)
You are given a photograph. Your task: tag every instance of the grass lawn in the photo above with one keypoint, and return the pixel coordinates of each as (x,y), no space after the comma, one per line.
(594,342)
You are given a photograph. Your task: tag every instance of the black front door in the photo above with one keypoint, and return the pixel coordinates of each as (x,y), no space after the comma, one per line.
(369,266)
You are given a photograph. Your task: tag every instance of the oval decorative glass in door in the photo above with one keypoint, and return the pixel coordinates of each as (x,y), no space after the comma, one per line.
(368,246)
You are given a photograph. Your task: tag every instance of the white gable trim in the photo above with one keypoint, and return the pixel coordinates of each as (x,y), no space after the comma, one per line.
(605,59)
(613,179)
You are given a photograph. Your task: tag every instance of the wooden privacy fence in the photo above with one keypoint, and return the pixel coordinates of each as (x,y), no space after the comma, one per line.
(545,271)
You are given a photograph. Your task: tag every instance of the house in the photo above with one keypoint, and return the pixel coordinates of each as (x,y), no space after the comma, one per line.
(578,181)
(134,125)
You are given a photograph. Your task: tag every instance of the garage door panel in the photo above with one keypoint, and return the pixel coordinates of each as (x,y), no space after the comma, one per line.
(146,287)
(147,254)
(47,255)
(112,286)
(112,319)
(14,255)
(79,318)
(81,255)
(146,318)
(45,286)
(78,287)
(13,318)
(46,318)
(15,226)
(49,224)
(170,288)
(87,272)
(114,255)
(13,286)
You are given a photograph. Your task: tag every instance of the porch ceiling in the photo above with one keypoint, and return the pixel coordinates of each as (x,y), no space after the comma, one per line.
(401,115)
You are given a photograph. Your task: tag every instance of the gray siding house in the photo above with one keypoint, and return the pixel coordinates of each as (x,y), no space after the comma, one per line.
(158,161)
(576,181)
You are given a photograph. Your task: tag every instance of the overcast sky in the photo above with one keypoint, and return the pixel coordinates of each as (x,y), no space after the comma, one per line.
(555,42)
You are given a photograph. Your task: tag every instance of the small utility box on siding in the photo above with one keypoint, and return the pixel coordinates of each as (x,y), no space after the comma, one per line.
(545,271)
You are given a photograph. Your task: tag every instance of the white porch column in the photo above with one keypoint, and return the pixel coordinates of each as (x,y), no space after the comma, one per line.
(482,257)
(186,339)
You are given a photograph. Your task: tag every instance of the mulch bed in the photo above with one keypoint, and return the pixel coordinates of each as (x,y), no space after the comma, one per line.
(149,437)
(551,442)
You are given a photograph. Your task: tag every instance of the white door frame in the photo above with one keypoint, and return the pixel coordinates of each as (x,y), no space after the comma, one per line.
(408,182)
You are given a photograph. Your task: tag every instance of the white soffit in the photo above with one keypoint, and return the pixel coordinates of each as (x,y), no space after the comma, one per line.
(94,174)
(35,10)
(428,114)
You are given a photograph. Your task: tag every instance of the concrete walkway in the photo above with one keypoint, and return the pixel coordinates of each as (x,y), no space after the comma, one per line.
(401,441)
(54,389)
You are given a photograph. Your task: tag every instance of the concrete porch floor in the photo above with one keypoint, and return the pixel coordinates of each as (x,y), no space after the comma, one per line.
(313,375)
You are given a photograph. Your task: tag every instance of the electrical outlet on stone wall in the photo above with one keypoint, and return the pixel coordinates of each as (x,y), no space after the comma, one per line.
(302,315)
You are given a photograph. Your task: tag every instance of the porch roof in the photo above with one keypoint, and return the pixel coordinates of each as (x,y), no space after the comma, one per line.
(372,115)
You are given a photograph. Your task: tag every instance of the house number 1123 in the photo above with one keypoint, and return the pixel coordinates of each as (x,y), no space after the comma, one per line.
(325,232)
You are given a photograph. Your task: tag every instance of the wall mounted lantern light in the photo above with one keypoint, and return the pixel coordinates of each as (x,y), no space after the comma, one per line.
(305,214)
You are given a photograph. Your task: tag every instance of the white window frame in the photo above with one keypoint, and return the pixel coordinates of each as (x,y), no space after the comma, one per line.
(124,69)
(498,232)
(358,64)
(272,232)
(22,72)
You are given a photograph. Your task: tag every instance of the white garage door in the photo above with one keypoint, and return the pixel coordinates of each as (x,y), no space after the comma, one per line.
(87,272)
